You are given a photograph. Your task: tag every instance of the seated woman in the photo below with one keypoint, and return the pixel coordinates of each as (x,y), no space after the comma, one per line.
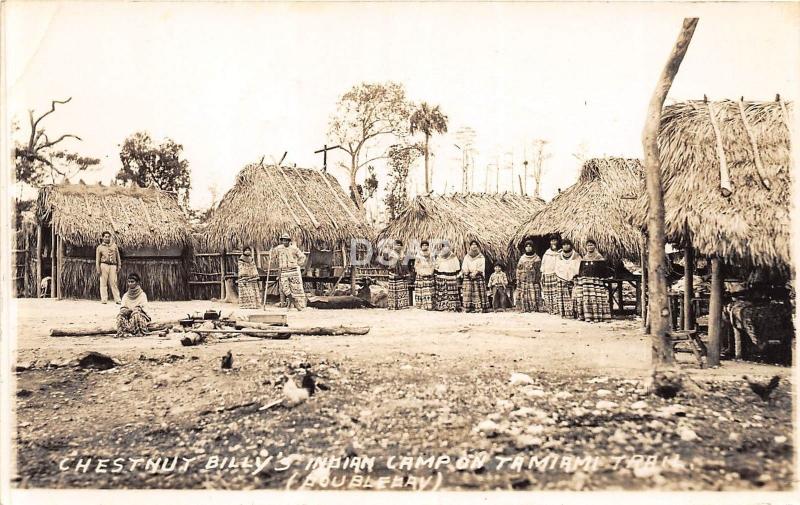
(132,319)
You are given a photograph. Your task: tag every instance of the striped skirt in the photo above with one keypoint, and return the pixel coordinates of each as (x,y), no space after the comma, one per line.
(475,296)
(398,293)
(550,293)
(564,306)
(133,324)
(249,296)
(292,287)
(446,296)
(530,296)
(590,299)
(424,291)
(500,300)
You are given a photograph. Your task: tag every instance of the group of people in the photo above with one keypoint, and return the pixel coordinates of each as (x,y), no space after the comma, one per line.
(132,319)
(290,281)
(560,283)
(436,285)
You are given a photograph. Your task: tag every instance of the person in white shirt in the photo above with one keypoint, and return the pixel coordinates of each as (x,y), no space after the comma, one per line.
(424,284)
(567,268)
(290,259)
(473,268)
(549,278)
(446,271)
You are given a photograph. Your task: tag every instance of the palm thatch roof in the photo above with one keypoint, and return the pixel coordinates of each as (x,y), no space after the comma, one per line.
(460,218)
(138,217)
(752,224)
(268,200)
(596,207)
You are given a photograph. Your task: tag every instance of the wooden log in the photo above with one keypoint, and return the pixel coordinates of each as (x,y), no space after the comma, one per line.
(310,214)
(88,332)
(724,173)
(258,326)
(715,313)
(756,154)
(688,288)
(312,330)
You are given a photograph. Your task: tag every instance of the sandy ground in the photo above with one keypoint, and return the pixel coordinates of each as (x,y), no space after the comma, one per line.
(533,340)
(418,383)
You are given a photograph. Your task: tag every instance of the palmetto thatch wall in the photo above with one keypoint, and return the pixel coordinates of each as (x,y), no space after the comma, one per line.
(751,226)
(460,218)
(266,201)
(138,218)
(596,207)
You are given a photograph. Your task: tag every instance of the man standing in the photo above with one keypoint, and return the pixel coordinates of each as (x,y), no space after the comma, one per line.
(290,259)
(549,278)
(108,262)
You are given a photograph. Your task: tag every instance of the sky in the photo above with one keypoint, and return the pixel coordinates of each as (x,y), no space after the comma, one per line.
(233,82)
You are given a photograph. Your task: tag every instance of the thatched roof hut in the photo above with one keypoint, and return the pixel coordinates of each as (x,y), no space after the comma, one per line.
(460,218)
(147,224)
(596,207)
(750,226)
(138,217)
(266,201)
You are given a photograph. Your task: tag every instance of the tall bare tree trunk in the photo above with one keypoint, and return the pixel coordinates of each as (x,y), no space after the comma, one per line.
(427,172)
(658,310)
(354,185)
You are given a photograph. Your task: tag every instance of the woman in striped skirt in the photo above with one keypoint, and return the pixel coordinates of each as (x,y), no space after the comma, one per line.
(473,269)
(398,278)
(529,292)
(424,284)
(591,295)
(549,278)
(446,273)
(567,266)
(249,296)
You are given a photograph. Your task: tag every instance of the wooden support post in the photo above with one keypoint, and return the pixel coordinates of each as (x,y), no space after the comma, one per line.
(352,269)
(222,275)
(60,261)
(715,313)
(38,261)
(53,269)
(688,288)
(644,288)
(25,276)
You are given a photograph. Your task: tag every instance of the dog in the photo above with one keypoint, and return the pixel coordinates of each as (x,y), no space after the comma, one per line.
(45,286)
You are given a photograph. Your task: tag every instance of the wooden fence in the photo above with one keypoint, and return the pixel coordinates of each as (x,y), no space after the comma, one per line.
(209,271)
(22,274)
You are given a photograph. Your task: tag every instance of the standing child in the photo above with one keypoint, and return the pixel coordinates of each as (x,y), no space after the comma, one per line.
(498,289)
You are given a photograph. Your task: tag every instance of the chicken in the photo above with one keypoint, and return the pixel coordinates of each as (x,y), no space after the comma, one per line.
(293,395)
(308,383)
(763,390)
(227,361)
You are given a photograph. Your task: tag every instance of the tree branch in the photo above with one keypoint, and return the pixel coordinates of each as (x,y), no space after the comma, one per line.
(382,157)
(52,109)
(51,144)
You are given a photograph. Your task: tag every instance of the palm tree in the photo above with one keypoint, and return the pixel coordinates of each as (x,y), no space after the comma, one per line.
(428,120)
